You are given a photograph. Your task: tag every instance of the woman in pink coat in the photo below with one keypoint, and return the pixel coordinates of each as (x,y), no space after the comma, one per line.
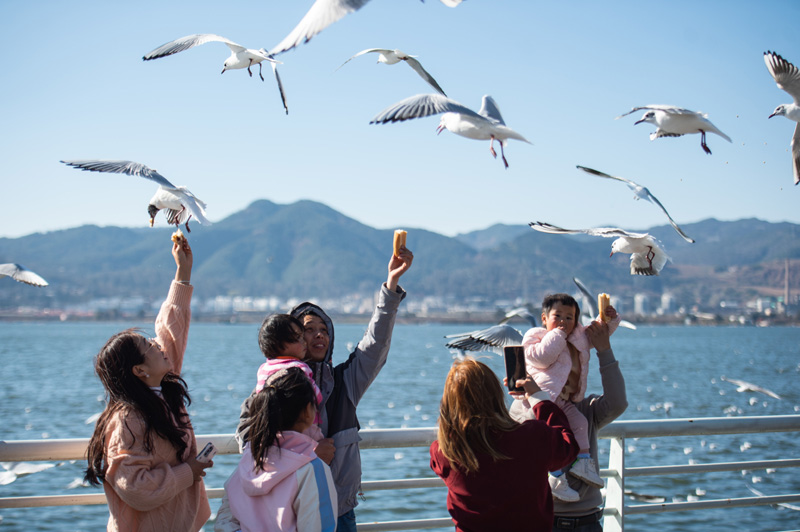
(557,357)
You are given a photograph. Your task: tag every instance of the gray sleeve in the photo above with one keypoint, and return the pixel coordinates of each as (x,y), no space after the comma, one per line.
(370,355)
(225,521)
(614,400)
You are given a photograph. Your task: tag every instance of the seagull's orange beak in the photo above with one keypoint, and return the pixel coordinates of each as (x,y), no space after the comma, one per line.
(440,128)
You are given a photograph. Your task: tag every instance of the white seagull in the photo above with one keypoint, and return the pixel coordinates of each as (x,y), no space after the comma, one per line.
(744,386)
(21,274)
(486,124)
(179,203)
(391,57)
(647,256)
(240,57)
(493,338)
(641,193)
(321,15)
(589,304)
(674,121)
(787,76)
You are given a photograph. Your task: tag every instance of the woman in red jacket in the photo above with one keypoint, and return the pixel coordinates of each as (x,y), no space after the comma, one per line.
(496,469)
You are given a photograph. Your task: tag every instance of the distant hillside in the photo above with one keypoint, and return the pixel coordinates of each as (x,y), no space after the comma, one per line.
(309,250)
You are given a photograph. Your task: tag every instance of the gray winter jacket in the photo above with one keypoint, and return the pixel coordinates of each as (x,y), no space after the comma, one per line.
(342,388)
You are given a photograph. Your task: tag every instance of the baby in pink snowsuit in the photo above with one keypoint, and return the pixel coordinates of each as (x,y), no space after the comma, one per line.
(557,357)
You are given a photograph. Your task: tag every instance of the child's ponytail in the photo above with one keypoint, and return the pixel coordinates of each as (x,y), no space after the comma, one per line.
(276,408)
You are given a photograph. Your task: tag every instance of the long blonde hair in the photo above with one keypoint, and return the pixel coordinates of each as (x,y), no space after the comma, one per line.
(472,408)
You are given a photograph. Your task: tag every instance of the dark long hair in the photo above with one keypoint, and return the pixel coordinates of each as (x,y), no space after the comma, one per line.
(126,393)
(286,394)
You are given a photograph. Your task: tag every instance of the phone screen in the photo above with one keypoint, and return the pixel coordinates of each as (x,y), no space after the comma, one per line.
(515,366)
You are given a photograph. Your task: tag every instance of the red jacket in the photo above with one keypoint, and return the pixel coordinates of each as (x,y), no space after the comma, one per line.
(511,495)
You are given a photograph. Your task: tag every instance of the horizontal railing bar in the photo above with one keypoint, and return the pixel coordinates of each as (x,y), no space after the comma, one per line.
(648,428)
(709,504)
(707,468)
(416,524)
(402,484)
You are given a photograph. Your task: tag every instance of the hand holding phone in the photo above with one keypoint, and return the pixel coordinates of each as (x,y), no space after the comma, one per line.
(514,357)
(207,453)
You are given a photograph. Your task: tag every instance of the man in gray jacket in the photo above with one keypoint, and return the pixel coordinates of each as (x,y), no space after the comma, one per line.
(584,515)
(342,388)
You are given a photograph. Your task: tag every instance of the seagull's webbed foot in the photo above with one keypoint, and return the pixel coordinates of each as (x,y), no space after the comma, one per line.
(650,256)
(502,153)
(703,142)
(186,225)
(248,68)
(491,148)
(259,72)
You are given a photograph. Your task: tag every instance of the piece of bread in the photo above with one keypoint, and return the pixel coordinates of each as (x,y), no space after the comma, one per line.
(177,236)
(603,301)
(399,240)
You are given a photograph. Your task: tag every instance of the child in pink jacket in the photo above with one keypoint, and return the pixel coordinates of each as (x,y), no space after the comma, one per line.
(557,357)
(280,483)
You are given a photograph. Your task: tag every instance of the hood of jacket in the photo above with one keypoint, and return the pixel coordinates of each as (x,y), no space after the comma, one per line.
(323,371)
(296,450)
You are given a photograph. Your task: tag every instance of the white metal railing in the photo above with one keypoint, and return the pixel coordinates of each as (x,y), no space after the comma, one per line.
(615,509)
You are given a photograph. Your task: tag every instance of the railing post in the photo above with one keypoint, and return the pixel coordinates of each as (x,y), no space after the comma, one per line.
(614,520)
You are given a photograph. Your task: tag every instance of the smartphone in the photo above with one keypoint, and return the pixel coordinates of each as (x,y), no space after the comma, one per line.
(514,356)
(207,453)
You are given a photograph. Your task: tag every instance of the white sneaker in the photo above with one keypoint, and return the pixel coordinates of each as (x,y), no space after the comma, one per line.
(561,490)
(586,470)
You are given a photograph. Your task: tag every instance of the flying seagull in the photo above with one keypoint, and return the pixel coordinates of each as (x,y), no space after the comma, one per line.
(641,193)
(21,274)
(493,338)
(744,386)
(240,57)
(390,57)
(179,204)
(647,256)
(486,124)
(674,121)
(589,304)
(322,14)
(787,76)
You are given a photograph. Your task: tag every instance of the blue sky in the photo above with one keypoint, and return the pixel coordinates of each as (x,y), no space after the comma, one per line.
(74,87)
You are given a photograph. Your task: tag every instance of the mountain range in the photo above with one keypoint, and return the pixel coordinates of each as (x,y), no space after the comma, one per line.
(308,250)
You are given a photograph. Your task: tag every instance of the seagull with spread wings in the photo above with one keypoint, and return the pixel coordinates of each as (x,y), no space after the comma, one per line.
(21,274)
(641,193)
(322,14)
(178,202)
(787,76)
(240,57)
(493,338)
(391,57)
(486,124)
(672,121)
(647,256)
(744,386)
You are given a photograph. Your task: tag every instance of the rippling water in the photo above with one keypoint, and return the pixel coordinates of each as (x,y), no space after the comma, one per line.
(49,390)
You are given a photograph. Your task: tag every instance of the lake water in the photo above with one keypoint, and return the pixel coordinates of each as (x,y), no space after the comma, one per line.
(49,390)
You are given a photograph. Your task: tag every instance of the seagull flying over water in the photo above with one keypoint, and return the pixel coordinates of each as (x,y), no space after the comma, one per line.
(21,274)
(486,124)
(321,15)
(240,57)
(179,203)
(390,57)
(674,121)
(589,302)
(787,76)
(641,193)
(744,386)
(647,256)
(493,338)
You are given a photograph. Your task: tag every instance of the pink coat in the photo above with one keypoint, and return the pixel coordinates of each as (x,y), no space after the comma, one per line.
(547,357)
